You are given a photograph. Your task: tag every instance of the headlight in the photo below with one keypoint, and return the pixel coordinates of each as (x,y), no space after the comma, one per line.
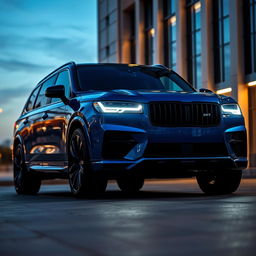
(231,109)
(118,107)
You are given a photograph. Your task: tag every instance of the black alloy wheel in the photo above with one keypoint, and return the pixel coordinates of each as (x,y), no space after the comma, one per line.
(81,178)
(24,182)
(221,182)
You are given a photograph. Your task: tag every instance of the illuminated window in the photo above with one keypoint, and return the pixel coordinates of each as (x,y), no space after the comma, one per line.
(250,35)
(149,32)
(221,40)
(170,33)
(194,43)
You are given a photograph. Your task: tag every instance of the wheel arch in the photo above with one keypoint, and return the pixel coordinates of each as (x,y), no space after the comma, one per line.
(75,123)
(16,141)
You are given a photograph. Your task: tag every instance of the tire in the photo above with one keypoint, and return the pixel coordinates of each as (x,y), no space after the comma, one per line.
(225,182)
(24,182)
(82,180)
(130,184)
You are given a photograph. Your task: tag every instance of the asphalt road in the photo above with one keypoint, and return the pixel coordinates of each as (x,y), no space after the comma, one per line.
(166,218)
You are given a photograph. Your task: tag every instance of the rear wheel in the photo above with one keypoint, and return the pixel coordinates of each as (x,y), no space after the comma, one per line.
(225,182)
(130,183)
(81,178)
(24,182)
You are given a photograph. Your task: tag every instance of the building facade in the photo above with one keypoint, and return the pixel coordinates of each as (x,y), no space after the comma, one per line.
(211,43)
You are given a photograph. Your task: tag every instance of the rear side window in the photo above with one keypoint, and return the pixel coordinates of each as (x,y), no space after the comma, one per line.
(31,99)
(42,100)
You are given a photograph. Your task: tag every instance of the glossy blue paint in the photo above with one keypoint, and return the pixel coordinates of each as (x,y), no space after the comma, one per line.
(56,130)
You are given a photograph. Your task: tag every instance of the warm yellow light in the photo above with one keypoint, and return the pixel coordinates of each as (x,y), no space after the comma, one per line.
(1,110)
(197,6)
(152,32)
(173,20)
(223,91)
(253,83)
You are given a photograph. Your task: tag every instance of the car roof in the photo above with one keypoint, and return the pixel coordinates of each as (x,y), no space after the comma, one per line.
(121,64)
(72,63)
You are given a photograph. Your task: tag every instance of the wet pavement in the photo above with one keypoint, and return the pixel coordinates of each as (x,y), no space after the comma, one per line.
(166,218)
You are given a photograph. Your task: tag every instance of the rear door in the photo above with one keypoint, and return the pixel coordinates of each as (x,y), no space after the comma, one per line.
(26,123)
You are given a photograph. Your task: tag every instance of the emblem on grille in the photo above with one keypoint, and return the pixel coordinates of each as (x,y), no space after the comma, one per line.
(206,114)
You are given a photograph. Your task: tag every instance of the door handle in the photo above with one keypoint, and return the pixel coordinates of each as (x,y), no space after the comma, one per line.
(45,115)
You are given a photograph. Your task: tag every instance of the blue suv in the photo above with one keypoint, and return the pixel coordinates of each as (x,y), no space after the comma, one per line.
(94,122)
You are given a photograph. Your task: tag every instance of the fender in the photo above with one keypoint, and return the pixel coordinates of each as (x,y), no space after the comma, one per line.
(78,118)
(18,137)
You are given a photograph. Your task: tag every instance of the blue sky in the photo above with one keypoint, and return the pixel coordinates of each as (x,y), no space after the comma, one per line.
(37,36)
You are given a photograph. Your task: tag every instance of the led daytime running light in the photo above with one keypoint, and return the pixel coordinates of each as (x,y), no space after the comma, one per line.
(104,109)
(231,109)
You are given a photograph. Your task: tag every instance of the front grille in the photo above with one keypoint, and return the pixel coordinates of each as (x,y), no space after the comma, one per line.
(186,150)
(184,114)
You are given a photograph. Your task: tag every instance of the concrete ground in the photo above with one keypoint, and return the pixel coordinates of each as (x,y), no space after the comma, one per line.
(168,217)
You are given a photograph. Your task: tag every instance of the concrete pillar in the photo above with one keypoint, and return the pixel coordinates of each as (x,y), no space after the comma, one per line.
(125,37)
(181,38)
(239,88)
(158,24)
(139,38)
(207,45)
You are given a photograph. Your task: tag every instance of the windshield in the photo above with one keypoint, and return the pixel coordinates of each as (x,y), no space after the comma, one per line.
(115,77)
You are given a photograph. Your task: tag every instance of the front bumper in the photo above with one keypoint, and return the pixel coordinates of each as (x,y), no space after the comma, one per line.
(169,167)
(128,143)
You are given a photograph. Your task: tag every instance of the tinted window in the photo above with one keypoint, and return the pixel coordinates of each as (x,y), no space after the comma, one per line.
(131,78)
(31,99)
(42,100)
(63,79)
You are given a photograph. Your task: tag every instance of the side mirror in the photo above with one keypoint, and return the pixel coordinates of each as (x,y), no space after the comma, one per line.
(205,90)
(57,91)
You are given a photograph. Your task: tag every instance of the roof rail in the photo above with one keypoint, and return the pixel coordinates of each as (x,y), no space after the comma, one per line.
(62,66)
(160,66)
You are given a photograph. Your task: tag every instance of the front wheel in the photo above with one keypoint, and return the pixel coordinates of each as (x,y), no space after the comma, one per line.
(24,182)
(225,182)
(81,178)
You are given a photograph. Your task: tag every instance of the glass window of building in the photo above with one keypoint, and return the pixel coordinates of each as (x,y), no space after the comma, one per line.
(149,32)
(221,40)
(170,33)
(194,42)
(250,35)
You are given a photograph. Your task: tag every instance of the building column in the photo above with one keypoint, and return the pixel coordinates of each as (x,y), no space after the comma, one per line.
(239,88)
(158,57)
(124,37)
(181,38)
(207,45)
(139,37)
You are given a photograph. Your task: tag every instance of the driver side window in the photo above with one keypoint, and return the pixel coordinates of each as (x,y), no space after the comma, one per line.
(64,79)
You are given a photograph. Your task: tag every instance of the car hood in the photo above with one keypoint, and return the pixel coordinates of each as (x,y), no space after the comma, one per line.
(146,96)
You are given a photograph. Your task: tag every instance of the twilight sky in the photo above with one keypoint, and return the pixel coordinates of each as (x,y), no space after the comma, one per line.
(37,36)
